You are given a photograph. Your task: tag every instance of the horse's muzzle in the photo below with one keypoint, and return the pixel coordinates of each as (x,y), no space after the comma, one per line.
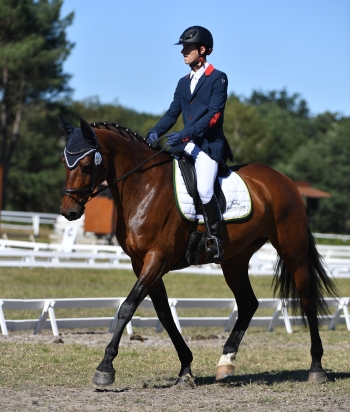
(72,214)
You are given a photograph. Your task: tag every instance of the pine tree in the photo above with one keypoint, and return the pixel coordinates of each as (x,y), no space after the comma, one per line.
(33,47)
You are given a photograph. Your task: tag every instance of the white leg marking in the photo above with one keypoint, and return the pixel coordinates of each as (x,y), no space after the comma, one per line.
(227,359)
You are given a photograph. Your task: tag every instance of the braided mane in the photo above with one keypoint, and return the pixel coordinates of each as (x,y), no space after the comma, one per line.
(121,129)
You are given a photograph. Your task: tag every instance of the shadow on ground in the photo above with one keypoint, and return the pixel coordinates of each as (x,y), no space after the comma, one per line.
(270,378)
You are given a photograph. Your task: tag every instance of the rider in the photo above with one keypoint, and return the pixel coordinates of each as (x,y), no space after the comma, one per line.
(200,97)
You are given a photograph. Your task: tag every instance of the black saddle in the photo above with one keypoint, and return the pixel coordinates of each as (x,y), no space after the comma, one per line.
(186,164)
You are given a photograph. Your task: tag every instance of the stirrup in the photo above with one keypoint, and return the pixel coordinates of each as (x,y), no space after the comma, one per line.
(213,251)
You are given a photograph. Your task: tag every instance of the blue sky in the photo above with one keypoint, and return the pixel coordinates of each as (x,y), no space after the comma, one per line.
(124,50)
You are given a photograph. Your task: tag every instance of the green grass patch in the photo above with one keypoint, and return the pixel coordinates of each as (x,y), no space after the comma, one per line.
(275,359)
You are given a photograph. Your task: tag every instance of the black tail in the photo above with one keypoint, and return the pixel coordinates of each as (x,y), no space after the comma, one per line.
(321,284)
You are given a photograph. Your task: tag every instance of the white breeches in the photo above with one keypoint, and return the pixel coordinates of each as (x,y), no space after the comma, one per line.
(206,171)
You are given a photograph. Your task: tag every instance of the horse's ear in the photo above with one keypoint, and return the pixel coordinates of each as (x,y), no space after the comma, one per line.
(87,131)
(67,127)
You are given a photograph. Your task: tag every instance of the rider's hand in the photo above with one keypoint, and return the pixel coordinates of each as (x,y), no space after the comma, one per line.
(174,139)
(152,137)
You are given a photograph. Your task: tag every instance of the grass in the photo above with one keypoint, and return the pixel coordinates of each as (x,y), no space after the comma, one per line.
(269,364)
(273,359)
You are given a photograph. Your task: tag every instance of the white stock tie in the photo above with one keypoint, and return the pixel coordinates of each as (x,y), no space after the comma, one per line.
(194,82)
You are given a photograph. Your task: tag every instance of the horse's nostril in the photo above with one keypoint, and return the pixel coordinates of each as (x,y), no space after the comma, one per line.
(72,216)
(69,215)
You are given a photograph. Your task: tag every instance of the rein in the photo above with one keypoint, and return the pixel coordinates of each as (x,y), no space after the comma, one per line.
(129,173)
(90,189)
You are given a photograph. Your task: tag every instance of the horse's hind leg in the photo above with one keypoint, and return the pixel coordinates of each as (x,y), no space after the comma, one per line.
(236,276)
(309,306)
(160,301)
(301,275)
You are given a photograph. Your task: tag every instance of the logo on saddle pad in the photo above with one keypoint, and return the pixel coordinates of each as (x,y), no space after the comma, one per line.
(238,200)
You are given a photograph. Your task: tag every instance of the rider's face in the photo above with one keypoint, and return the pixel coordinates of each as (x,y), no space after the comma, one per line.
(190,53)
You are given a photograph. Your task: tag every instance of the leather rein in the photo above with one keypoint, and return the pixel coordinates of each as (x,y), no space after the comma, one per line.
(89,190)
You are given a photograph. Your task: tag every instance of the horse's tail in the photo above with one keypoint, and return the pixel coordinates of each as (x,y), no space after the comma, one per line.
(320,283)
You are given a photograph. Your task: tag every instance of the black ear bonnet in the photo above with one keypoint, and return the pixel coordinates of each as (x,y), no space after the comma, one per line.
(81,142)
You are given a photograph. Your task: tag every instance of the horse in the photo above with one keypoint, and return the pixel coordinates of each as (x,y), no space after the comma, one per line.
(152,232)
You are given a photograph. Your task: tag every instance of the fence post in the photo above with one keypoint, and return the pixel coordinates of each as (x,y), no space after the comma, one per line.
(336,316)
(46,312)
(53,318)
(36,224)
(114,322)
(173,303)
(346,313)
(286,319)
(232,318)
(275,317)
(2,320)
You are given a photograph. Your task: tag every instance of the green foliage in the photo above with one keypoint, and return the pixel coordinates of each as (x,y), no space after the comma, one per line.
(93,111)
(33,47)
(246,132)
(325,162)
(37,178)
(286,132)
(292,104)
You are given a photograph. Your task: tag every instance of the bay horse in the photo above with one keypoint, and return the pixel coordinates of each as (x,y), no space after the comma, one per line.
(152,232)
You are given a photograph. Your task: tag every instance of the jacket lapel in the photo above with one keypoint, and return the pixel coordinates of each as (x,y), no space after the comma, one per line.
(187,86)
(198,85)
(202,79)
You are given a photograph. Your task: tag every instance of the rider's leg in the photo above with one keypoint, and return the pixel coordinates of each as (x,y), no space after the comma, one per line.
(212,216)
(206,171)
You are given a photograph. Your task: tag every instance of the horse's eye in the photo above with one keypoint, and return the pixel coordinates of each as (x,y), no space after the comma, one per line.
(87,169)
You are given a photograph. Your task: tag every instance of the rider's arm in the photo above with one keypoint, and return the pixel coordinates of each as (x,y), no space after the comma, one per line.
(170,117)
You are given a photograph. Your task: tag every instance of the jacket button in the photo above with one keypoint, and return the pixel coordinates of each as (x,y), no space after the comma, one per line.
(191,101)
(189,117)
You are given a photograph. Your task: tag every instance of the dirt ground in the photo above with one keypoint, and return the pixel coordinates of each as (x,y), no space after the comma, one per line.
(234,396)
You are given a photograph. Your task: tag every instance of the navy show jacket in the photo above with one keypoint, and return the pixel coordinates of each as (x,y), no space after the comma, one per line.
(202,113)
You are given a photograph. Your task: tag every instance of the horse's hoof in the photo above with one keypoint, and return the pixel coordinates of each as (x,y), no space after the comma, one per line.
(185,382)
(317,377)
(223,372)
(103,379)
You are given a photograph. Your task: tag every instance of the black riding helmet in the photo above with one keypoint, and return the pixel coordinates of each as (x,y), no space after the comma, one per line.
(200,36)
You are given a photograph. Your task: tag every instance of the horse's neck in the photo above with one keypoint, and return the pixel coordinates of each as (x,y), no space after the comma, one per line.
(127,155)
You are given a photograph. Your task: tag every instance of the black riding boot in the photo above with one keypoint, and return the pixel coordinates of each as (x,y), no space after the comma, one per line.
(212,217)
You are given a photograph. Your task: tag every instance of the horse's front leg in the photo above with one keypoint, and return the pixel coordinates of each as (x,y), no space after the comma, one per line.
(105,373)
(161,304)
(154,267)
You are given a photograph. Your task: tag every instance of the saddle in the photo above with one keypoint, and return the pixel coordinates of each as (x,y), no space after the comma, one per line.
(196,240)
(186,165)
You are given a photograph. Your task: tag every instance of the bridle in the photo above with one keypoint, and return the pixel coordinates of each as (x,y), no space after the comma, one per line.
(89,190)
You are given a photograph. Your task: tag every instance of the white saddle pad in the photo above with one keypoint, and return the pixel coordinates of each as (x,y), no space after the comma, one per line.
(238,200)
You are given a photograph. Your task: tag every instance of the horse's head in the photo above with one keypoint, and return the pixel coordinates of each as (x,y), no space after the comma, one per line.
(83,162)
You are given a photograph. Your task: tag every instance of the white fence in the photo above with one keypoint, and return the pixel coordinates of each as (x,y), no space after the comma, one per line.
(83,256)
(26,220)
(48,320)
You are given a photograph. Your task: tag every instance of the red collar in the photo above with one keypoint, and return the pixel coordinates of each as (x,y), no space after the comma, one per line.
(209,70)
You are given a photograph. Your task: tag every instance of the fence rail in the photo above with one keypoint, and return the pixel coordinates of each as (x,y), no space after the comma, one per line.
(48,320)
(83,256)
(26,220)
